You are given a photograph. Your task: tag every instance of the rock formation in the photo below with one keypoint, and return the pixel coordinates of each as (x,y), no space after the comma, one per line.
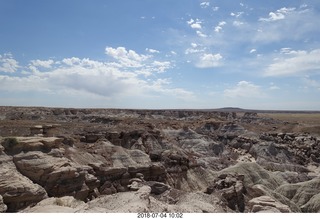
(112,160)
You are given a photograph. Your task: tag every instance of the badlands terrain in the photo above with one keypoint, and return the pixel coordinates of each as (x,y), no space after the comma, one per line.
(113,160)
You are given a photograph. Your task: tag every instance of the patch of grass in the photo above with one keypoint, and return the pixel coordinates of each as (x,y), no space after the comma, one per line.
(10,143)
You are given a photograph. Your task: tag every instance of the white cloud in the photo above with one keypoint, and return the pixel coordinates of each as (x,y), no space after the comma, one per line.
(219,27)
(194,49)
(244,89)
(138,63)
(253,50)
(278,15)
(200,34)
(87,77)
(237,23)
(71,61)
(22,84)
(126,58)
(204,4)
(173,53)
(303,6)
(292,62)
(298,25)
(8,64)
(285,50)
(160,67)
(195,24)
(42,63)
(236,14)
(215,8)
(209,60)
(191,21)
(152,50)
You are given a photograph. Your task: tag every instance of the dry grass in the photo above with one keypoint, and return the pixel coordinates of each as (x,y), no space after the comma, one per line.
(297,122)
(301,118)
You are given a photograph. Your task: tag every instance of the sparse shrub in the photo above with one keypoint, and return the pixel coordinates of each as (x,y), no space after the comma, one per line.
(59,202)
(10,143)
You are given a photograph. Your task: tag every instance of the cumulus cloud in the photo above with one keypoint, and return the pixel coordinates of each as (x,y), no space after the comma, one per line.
(8,64)
(204,4)
(194,49)
(297,24)
(42,63)
(127,58)
(219,27)
(124,79)
(22,84)
(291,62)
(278,15)
(194,24)
(71,61)
(244,89)
(209,60)
(139,63)
(160,66)
(253,51)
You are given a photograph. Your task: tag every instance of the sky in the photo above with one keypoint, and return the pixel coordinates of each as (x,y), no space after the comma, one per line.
(160,54)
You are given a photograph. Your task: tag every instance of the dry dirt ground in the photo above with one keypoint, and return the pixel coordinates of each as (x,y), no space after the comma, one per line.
(115,160)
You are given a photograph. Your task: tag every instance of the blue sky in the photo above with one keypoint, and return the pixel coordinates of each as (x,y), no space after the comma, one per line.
(160,53)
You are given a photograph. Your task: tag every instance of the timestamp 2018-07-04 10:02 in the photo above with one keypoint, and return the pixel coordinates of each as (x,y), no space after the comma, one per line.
(160,215)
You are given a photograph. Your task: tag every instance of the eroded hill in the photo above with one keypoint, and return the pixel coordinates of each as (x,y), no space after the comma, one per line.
(112,160)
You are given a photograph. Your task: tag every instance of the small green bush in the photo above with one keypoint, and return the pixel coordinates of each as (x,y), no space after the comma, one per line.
(10,143)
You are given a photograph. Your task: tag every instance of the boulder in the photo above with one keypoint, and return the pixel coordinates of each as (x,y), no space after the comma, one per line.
(18,144)
(66,204)
(17,190)
(267,204)
(157,188)
(1,149)
(3,206)
(231,189)
(59,176)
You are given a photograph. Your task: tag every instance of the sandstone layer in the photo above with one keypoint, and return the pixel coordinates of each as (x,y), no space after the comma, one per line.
(112,160)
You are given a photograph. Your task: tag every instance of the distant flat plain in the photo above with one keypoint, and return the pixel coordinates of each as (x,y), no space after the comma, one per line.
(300,121)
